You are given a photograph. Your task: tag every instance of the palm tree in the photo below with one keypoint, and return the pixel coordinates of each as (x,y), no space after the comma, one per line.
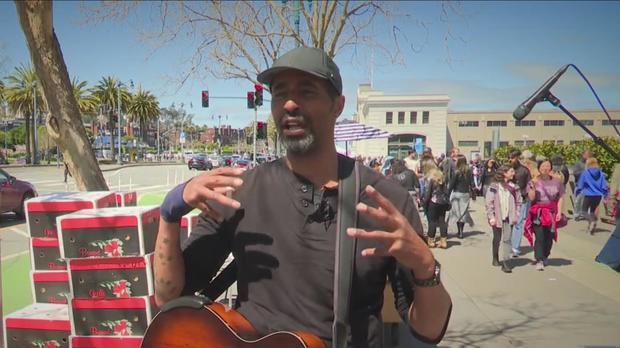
(19,95)
(106,92)
(143,108)
(87,101)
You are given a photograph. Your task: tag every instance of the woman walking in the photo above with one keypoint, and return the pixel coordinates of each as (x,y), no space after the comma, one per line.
(436,202)
(487,175)
(460,186)
(545,193)
(503,201)
(594,187)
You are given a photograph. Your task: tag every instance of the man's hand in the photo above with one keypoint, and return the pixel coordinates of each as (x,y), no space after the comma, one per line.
(213,186)
(399,239)
(492,222)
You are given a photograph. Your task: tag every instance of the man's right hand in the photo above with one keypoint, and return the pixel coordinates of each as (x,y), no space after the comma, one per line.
(215,186)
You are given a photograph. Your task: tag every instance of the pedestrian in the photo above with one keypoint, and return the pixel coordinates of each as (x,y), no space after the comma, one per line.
(593,186)
(406,178)
(578,169)
(545,192)
(502,201)
(460,188)
(284,248)
(521,178)
(560,169)
(487,175)
(412,161)
(436,203)
(610,253)
(448,164)
(67,171)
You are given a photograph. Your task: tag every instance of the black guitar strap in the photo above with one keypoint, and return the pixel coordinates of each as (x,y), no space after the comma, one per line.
(348,196)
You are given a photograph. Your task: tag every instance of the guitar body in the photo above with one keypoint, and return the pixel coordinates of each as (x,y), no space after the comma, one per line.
(215,326)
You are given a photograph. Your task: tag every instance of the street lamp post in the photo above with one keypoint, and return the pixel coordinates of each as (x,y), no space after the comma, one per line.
(119,159)
(34,113)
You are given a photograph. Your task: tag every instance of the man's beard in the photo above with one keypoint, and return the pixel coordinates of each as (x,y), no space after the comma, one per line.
(299,145)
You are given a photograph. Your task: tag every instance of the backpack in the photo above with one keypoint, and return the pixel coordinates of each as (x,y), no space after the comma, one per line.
(440,195)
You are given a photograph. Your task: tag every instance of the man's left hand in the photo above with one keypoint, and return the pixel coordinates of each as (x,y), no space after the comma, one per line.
(399,239)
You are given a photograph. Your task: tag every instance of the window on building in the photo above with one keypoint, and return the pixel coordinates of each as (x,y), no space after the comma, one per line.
(572,142)
(413,117)
(529,142)
(468,123)
(465,143)
(525,123)
(425,116)
(554,123)
(519,142)
(497,123)
(388,117)
(503,143)
(585,123)
(547,142)
(401,117)
(559,142)
(612,122)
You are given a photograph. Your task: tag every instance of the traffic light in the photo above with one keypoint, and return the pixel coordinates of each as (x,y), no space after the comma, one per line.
(261,130)
(258,95)
(205,99)
(250,100)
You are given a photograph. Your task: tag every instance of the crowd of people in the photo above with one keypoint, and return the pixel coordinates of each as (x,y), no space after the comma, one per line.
(523,197)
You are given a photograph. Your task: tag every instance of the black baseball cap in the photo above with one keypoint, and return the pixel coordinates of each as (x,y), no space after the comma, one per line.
(307,59)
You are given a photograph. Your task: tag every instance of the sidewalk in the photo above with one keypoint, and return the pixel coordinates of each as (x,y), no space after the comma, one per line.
(574,302)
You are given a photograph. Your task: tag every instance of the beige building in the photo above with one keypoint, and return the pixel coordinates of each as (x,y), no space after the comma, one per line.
(406,117)
(472,132)
(426,117)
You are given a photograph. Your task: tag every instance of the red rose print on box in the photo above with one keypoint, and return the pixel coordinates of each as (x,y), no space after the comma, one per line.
(45,344)
(120,288)
(119,327)
(111,248)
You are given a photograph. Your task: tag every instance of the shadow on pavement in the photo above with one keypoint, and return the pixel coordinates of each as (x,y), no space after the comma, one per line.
(521,325)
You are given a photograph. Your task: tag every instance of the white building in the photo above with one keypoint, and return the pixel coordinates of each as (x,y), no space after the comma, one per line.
(409,118)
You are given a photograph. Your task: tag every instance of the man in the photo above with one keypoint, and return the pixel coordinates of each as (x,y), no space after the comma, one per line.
(578,169)
(522,178)
(448,166)
(280,225)
(412,162)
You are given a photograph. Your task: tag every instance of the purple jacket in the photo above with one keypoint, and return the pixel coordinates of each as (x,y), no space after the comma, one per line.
(492,203)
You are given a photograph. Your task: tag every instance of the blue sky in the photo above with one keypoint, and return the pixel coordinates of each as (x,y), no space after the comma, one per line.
(499,54)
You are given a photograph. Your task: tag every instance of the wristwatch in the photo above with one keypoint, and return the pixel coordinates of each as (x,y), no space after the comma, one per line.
(430,282)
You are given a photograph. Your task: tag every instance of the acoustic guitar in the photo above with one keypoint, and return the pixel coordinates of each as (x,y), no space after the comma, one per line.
(196,322)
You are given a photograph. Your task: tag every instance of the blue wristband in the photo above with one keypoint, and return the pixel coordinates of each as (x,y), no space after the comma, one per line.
(174,207)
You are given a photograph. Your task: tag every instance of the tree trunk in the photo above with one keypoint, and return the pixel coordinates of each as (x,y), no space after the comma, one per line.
(64,123)
(27,139)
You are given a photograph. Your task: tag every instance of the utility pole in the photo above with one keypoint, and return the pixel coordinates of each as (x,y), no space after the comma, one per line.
(158,158)
(254,136)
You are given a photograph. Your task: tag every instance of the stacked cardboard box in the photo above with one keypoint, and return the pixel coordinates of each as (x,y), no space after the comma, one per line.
(46,322)
(126,199)
(109,253)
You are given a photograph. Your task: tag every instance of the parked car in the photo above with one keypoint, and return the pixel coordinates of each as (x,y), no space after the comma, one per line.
(240,163)
(199,162)
(13,194)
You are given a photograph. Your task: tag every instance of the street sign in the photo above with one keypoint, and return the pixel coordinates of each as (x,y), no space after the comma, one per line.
(182,138)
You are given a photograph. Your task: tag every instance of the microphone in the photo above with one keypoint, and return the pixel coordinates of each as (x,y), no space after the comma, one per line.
(526,107)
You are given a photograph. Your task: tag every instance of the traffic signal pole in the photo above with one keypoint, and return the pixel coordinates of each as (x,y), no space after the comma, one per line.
(254,136)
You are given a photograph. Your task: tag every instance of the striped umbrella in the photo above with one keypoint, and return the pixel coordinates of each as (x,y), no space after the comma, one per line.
(351,131)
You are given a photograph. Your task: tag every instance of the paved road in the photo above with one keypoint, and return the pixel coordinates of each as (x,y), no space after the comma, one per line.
(48,179)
